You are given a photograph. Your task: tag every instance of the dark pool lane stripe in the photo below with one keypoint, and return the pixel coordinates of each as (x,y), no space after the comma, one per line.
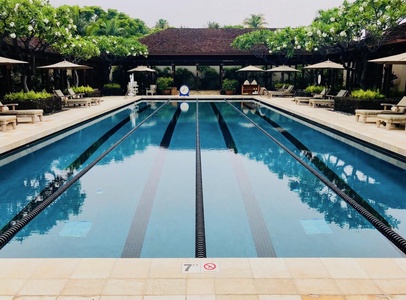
(200,233)
(324,169)
(262,239)
(62,178)
(136,235)
(8,234)
(387,231)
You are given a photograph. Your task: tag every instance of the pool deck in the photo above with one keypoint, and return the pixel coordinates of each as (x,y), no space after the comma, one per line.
(211,278)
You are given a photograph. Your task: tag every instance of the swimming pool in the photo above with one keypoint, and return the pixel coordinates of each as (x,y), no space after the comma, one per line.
(220,179)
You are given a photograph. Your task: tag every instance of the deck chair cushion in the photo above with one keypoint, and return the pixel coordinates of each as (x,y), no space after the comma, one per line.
(398,109)
(3,108)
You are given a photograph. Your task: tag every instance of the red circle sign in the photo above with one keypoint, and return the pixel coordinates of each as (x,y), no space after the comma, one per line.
(209,266)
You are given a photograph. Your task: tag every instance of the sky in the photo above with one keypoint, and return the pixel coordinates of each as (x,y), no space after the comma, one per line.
(196,14)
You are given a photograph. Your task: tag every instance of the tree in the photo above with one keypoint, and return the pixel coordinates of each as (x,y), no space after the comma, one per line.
(162,24)
(33,26)
(255,21)
(213,25)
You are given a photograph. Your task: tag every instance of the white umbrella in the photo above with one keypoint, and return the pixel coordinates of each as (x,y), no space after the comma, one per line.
(399,59)
(9,61)
(141,69)
(282,68)
(65,65)
(328,64)
(250,68)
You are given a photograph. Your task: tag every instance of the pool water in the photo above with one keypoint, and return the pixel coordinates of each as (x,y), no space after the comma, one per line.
(140,199)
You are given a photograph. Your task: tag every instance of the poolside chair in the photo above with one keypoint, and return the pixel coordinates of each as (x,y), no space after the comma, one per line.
(151,90)
(73,95)
(395,109)
(67,101)
(285,93)
(322,94)
(4,120)
(20,113)
(327,102)
(391,119)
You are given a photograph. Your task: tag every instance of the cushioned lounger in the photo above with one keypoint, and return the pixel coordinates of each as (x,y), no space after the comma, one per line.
(390,119)
(4,120)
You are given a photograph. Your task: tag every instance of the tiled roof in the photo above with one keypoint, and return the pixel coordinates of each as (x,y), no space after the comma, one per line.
(194,41)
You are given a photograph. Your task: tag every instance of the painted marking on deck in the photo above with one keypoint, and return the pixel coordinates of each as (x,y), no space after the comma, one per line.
(200,268)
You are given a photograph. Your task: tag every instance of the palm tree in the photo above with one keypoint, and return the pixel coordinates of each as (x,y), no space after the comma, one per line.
(213,25)
(255,21)
(162,24)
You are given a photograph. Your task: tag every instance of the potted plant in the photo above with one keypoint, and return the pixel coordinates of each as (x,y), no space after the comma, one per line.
(229,85)
(34,100)
(164,84)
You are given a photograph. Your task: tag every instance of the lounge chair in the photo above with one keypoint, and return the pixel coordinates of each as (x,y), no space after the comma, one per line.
(4,120)
(31,113)
(322,94)
(285,93)
(74,95)
(399,108)
(327,102)
(390,119)
(68,101)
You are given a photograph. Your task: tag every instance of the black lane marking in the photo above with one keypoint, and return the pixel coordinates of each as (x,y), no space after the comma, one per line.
(8,234)
(64,176)
(325,170)
(136,235)
(387,231)
(262,239)
(200,237)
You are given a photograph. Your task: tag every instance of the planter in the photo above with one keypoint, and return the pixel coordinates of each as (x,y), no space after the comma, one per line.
(349,104)
(228,92)
(48,105)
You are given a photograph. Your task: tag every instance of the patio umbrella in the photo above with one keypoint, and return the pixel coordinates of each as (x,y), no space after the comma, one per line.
(399,59)
(282,69)
(9,62)
(66,65)
(141,69)
(250,68)
(328,64)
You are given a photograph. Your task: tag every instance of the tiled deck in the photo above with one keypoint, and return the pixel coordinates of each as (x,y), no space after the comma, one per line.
(245,278)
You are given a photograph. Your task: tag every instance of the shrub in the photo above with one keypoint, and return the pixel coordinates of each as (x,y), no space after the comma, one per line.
(112,89)
(366,95)
(230,84)
(314,89)
(83,89)
(31,95)
(164,83)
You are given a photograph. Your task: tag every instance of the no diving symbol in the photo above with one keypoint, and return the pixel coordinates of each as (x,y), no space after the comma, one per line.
(210,267)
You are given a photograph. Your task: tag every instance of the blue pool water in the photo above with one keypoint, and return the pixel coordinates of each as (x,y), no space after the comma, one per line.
(139,200)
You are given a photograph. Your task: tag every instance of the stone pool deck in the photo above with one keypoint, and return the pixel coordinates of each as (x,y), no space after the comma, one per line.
(211,278)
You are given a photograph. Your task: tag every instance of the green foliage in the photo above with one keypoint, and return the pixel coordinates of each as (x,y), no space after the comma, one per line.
(229,84)
(83,89)
(314,89)
(366,95)
(255,21)
(164,83)
(31,95)
(111,85)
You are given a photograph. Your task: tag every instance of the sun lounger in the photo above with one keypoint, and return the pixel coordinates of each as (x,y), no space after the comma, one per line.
(363,114)
(4,120)
(285,93)
(300,100)
(74,95)
(321,102)
(87,102)
(31,113)
(390,119)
